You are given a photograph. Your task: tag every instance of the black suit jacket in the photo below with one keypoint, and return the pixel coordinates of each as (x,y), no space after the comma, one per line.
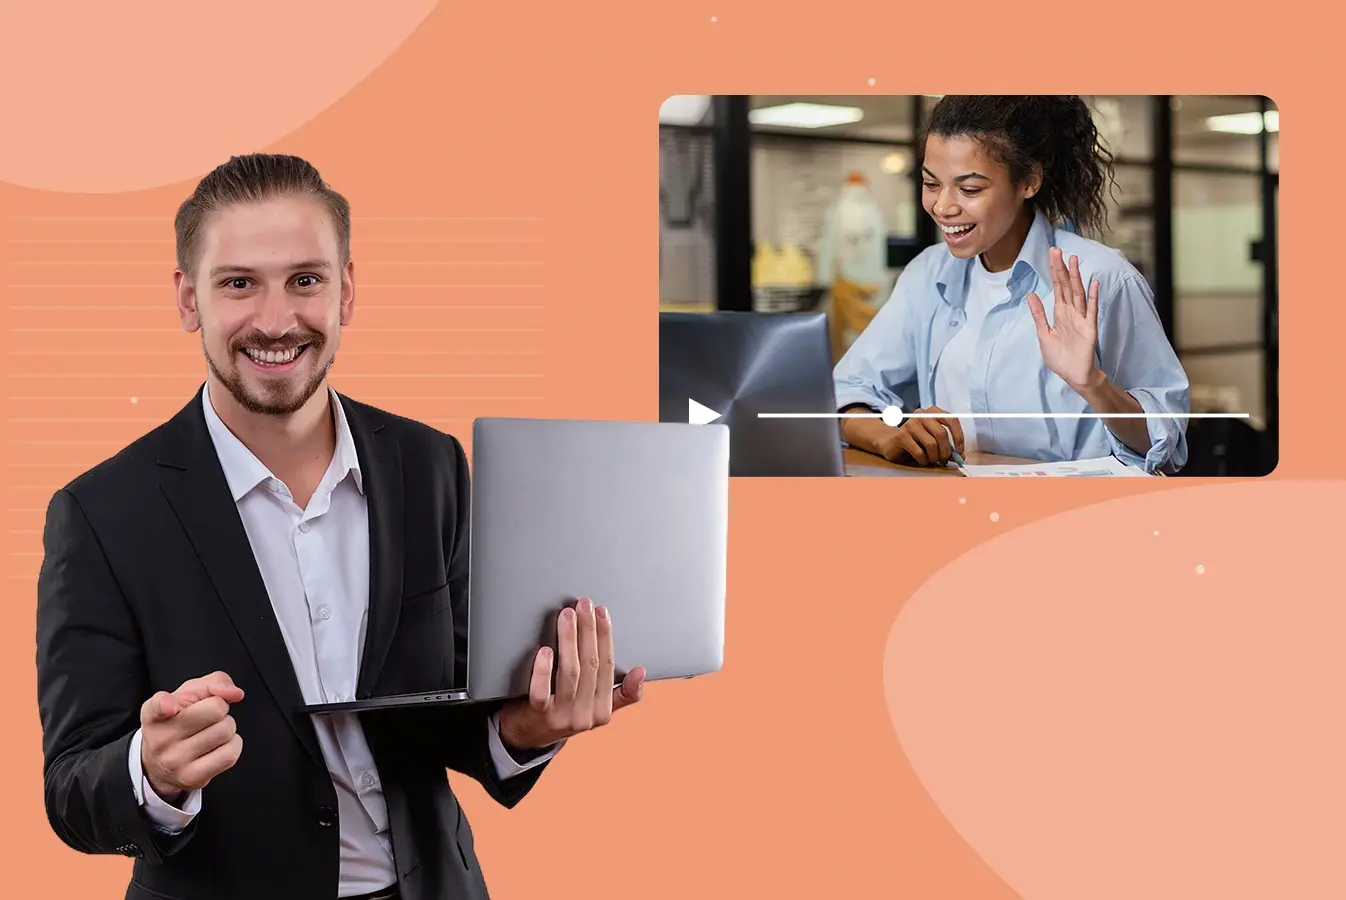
(149,580)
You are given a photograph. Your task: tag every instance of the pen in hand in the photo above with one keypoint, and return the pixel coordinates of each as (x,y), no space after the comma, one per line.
(957,458)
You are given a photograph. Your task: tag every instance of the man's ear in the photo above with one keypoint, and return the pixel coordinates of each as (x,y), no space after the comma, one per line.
(348,293)
(188,314)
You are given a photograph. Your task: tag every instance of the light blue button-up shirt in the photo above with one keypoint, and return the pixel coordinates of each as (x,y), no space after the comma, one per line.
(893,360)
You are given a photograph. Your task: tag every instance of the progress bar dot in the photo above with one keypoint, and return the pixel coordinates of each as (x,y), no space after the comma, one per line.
(891,416)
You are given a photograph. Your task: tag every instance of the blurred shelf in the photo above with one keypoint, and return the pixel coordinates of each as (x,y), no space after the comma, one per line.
(686,306)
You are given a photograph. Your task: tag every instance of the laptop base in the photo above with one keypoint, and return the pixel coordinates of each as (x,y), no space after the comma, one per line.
(395,701)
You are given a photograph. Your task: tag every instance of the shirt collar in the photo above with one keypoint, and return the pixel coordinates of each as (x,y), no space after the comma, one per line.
(244,471)
(1035,255)
(1032,265)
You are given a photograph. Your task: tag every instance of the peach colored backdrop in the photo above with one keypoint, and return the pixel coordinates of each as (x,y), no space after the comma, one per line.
(921,698)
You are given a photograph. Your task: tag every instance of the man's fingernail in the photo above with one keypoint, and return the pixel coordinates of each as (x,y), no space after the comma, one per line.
(603,613)
(568,614)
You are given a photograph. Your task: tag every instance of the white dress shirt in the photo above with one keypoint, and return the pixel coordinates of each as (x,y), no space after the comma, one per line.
(315,564)
(953,372)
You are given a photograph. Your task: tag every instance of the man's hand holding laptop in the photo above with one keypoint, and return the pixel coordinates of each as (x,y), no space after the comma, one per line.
(585,697)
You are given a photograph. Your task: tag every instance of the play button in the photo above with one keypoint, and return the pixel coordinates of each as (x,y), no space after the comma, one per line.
(700,415)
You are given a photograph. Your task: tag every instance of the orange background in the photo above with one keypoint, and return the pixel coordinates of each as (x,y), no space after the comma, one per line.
(502,168)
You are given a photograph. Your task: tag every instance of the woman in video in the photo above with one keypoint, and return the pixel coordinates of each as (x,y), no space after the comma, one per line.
(998,319)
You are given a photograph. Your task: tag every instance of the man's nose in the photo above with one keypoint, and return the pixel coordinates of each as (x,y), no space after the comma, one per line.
(275,315)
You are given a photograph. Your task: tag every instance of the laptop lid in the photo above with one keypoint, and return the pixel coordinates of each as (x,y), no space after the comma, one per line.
(633,515)
(737,365)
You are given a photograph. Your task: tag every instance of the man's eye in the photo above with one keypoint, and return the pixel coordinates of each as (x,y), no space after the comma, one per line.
(306,281)
(238,284)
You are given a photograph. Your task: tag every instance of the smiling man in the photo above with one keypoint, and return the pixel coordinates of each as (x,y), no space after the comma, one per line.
(244,559)
(280,231)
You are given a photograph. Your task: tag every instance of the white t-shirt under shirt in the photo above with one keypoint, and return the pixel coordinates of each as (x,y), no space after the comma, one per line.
(985,290)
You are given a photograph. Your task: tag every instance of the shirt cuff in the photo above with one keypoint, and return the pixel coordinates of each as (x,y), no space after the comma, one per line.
(506,766)
(1168,439)
(850,394)
(166,817)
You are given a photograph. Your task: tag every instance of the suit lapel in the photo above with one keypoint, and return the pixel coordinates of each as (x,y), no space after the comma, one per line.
(381,468)
(194,483)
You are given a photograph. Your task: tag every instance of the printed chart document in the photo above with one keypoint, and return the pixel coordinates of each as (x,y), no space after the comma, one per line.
(1104,467)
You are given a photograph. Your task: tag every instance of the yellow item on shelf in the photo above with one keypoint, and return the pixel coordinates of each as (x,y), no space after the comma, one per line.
(765,266)
(795,269)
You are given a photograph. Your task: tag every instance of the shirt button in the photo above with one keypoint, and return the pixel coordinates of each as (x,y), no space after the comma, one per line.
(303,527)
(324,612)
(327,817)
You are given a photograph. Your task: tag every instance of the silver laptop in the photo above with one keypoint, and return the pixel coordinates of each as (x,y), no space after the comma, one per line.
(738,365)
(634,515)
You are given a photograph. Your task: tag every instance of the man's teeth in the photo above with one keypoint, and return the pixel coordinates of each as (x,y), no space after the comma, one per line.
(274,356)
(955,229)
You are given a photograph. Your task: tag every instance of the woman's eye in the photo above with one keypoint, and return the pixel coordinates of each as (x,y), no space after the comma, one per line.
(931,187)
(971,192)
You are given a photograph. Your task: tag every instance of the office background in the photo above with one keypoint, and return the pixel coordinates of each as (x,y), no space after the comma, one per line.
(1193,208)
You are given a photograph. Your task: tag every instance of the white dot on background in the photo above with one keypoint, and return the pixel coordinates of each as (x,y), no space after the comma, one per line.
(134,400)
(995,517)
(962,499)
(891,416)
(1201,570)
(1156,534)
(872,82)
(715,18)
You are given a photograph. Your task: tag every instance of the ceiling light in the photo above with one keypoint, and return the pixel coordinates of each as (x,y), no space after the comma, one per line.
(1246,123)
(895,163)
(805,115)
(684,109)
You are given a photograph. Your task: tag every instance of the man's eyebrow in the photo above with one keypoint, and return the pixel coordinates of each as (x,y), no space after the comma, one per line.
(248,270)
(231,270)
(312,264)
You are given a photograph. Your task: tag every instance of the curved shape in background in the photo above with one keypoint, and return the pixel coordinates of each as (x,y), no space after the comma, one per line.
(108,100)
(1163,720)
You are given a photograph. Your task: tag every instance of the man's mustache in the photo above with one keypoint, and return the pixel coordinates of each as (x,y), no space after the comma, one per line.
(279,345)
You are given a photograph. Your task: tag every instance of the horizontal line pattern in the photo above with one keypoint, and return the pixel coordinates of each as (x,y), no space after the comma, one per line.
(195,353)
(450,326)
(124,288)
(158,309)
(162,263)
(166,217)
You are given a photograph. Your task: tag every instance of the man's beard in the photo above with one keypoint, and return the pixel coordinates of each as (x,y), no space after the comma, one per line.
(278,404)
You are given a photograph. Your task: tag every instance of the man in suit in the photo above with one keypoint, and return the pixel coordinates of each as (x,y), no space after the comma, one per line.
(274,544)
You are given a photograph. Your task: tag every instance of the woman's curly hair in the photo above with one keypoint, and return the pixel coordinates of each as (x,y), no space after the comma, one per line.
(1056,133)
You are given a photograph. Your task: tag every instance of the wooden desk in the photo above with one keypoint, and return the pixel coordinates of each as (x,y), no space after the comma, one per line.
(857,461)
